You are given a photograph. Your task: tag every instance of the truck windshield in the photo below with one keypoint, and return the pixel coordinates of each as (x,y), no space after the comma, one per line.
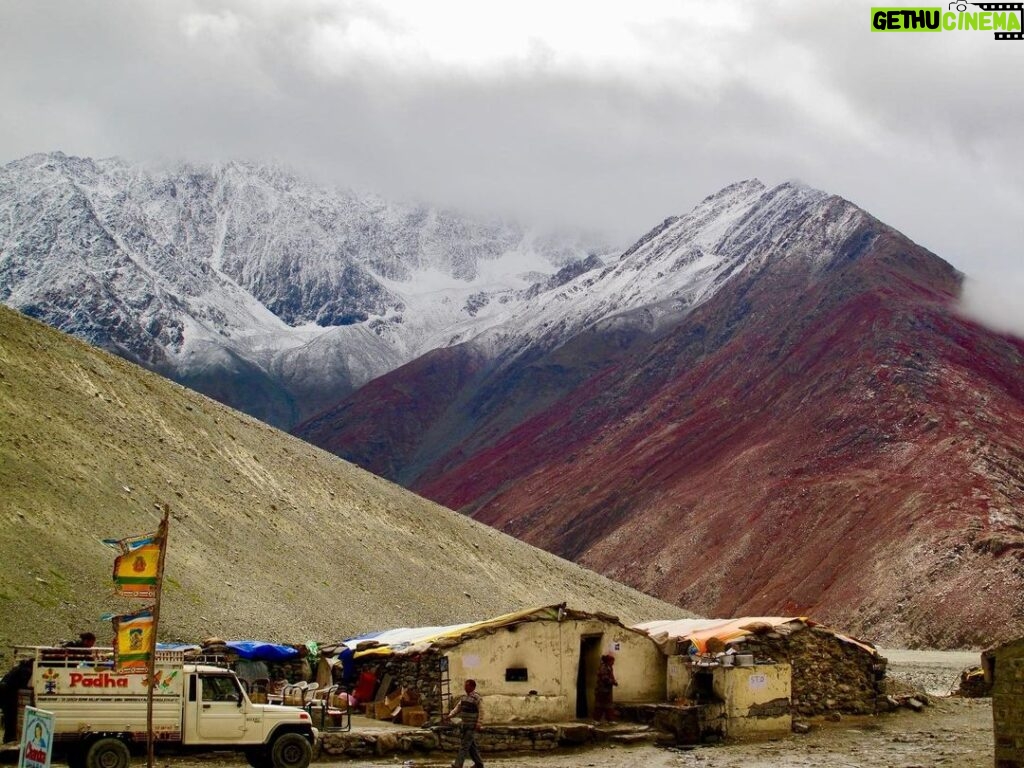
(220,688)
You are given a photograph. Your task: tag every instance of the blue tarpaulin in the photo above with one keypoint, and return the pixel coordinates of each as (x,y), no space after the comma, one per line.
(254,649)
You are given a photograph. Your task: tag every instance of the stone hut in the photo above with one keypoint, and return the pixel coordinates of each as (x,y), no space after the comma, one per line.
(830,671)
(536,665)
(1004,669)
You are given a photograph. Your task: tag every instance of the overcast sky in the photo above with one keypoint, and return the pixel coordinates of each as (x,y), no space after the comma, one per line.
(609,116)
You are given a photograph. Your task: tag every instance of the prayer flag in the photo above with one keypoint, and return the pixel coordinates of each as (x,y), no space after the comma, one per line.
(136,569)
(133,641)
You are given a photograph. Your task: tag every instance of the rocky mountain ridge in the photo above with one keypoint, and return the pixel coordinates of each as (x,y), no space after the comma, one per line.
(805,426)
(246,282)
(769,404)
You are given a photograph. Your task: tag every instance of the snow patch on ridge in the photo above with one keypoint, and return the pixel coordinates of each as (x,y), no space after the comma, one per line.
(192,267)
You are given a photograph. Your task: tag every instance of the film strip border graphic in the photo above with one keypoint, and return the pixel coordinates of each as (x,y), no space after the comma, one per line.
(1019,7)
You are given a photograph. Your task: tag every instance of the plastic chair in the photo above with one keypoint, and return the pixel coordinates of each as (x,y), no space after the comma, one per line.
(258,691)
(309,693)
(275,691)
(293,694)
(325,704)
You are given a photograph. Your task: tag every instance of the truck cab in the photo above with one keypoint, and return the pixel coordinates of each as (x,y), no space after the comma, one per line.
(217,712)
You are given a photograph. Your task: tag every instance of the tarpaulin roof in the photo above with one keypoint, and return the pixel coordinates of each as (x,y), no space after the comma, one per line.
(418,639)
(700,631)
(400,639)
(255,649)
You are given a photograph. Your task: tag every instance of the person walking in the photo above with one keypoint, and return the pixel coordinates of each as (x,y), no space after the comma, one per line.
(603,694)
(470,706)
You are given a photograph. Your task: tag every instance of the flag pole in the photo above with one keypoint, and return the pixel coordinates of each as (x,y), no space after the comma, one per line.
(151,668)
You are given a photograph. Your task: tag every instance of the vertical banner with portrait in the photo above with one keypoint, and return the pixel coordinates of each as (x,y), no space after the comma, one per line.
(36,739)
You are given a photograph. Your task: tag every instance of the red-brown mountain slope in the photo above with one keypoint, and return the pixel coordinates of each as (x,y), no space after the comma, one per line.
(823,435)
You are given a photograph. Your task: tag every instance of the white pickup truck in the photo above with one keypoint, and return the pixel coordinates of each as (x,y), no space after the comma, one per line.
(100,715)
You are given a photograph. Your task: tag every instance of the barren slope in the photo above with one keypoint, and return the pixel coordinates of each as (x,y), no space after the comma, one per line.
(823,435)
(270,537)
(841,445)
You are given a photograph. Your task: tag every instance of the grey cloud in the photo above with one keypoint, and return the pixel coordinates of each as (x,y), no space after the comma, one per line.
(920,132)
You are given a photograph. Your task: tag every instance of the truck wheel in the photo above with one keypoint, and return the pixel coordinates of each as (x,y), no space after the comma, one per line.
(107,753)
(291,750)
(258,757)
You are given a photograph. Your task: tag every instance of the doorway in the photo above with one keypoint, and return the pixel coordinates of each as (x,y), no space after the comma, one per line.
(586,675)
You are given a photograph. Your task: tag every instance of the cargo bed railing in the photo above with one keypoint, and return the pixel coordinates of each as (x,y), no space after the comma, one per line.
(96,657)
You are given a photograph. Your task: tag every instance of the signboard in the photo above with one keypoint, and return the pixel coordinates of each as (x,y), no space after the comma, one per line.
(83,684)
(758,681)
(36,739)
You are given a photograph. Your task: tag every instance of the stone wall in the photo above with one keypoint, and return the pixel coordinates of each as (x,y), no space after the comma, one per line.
(829,675)
(525,738)
(505,738)
(1008,703)
(421,671)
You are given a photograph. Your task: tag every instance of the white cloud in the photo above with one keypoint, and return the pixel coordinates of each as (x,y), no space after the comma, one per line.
(220,28)
(994,301)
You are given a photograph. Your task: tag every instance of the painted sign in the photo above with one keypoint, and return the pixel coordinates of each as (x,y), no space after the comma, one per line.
(36,739)
(757,682)
(62,684)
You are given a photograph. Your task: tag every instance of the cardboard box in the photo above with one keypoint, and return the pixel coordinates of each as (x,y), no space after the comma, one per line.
(414,716)
(410,697)
(382,710)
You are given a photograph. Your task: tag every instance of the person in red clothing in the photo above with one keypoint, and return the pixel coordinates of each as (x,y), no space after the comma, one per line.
(366,686)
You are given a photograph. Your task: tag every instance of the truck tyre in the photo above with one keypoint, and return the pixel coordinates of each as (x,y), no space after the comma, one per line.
(258,757)
(108,753)
(291,750)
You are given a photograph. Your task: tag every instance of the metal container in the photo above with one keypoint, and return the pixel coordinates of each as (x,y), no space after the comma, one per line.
(744,659)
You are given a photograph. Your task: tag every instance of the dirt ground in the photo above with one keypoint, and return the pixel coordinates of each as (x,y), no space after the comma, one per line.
(951,732)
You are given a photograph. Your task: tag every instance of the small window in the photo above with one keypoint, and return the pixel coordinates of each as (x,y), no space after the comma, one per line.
(516,675)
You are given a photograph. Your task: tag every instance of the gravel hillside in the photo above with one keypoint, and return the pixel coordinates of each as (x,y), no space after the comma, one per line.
(270,537)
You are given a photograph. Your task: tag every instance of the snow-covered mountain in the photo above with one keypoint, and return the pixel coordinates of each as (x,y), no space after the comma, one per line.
(280,297)
(540,343)
(270,293)
(768,406)
(675,267)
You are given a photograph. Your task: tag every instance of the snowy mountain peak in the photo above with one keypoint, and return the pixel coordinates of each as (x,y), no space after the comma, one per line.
(245,281)
(684,261)
(240,266)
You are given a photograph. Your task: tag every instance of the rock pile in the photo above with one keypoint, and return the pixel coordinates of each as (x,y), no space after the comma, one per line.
(830,674)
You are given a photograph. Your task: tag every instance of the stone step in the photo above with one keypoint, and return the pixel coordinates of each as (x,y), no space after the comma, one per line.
(634,738)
